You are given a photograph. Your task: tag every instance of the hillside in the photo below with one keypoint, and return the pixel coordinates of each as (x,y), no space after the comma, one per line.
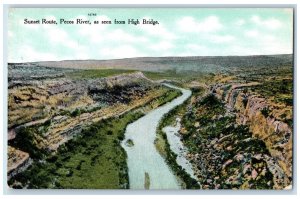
(64,117)
(198,63)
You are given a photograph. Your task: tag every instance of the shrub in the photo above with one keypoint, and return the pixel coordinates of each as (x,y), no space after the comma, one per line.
(265,111)
(76,112)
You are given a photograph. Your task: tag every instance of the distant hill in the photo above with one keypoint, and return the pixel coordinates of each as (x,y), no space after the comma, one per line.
(197,63)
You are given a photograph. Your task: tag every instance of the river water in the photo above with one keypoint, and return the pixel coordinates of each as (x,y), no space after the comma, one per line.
(174,139)
(142,157)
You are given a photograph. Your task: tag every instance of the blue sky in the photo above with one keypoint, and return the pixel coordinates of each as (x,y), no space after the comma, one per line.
(181,32)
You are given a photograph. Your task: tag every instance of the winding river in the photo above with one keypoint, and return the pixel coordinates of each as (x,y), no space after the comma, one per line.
(146,167)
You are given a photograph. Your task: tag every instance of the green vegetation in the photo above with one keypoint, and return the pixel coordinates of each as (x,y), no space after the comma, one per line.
(169,74)
(79,111)
(147,181)
(281,90)
(76,112)
(96,73)
(93,159)
(219,136)
(265,111)
(197,91)
(169,96)
(164,149)
(28,138)
(129,143)
(25,141)
(163,146)
(173,75)
(164,98)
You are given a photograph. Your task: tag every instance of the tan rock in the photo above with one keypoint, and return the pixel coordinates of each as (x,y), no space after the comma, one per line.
(254,174)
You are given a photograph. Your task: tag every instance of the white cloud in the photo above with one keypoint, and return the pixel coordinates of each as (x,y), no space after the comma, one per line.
(27,53)
(251,33)
(273,23)
(209,24)
(58,36)
(264,36)
(240,22)
(270,23)
(123,51)
(269,38)
(101,33)
(10,34)
(270,44)
(266,45)
(195,50)
(222,38)
(195,47)
(243,50)
(277,48)
(158,31)
(81,55)
(122,36)
(256,19)
(163,45)
(94,32)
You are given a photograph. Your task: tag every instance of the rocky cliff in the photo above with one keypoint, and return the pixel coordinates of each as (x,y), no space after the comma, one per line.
(18,161)
(264,121)
(44,114)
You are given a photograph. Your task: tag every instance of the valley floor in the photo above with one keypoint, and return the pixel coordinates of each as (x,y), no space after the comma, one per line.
(66,126)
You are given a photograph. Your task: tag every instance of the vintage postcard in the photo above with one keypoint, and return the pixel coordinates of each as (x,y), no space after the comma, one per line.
(150,98)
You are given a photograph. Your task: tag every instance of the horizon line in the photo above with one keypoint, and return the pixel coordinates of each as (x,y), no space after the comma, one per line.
(254,55)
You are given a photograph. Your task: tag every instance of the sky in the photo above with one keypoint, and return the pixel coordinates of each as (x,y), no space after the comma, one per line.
(180,32)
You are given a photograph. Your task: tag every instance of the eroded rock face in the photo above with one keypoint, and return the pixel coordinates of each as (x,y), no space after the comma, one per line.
(249,110)
(27,72)
(17,162)
(52,110)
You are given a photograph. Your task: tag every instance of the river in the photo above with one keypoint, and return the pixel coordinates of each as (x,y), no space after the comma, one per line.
(146,167)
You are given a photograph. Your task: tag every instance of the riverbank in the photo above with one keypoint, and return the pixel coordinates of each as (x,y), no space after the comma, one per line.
(93,159)
(163,146)
(142,153)
(224,155)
